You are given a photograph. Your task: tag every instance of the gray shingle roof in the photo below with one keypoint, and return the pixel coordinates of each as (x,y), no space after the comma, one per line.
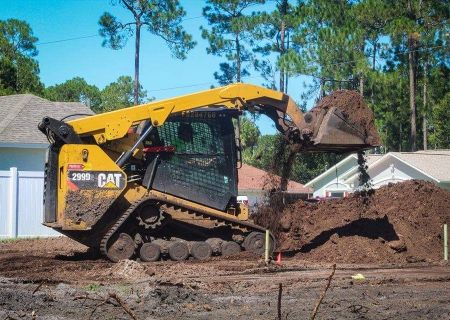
(435,163)
(21,113)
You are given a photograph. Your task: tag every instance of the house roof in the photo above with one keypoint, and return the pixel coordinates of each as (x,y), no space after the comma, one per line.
(251,178)
(433,163)
(21,113)
(370,158)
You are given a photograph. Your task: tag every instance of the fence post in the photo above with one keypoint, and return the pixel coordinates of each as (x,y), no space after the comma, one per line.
(445,242)
(12,210)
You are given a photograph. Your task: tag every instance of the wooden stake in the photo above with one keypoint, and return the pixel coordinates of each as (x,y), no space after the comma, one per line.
(280,291)
(445,243)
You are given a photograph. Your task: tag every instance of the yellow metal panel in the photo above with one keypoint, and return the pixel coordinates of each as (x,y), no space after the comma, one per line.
(86,185)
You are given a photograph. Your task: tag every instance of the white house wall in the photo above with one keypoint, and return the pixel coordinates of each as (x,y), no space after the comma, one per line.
(332,184)
(445,185)
(390,170)
(24,159)
(387,169)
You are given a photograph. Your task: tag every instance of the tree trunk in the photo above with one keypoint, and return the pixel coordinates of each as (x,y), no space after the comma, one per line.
(425,129)
(322,88)
(136,63)
(412,79)
(238,59)
(361,85)
(361,75)
(286,81)
(412,90)
(374,57)
(283,11)
(282,49)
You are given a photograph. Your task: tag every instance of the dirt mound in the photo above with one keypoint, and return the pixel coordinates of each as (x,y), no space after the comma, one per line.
(128,269)
(353,106)
(399,222)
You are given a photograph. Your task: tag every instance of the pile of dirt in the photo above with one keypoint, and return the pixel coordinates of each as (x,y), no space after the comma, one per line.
(353,106)
(128,269)
(396,223)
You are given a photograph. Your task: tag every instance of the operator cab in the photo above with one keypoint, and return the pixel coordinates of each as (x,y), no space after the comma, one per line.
(194,156)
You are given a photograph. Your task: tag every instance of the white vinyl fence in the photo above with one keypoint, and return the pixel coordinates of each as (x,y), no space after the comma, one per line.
(21,207)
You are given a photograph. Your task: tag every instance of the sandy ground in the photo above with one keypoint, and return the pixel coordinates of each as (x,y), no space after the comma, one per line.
(57,279)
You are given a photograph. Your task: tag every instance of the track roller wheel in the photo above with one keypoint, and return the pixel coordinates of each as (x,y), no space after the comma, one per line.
(216,245)
(150,252)
(255,243)
(201,250)
(230,247)
(178,250)
(121,248)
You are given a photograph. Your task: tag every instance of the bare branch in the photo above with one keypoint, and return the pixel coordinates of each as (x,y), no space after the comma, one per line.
(38,287)
(316,309)
(124,306)
(130,7)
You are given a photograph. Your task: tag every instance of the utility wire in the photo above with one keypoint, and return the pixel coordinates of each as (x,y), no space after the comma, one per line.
(95,35)
(68,39)
(194,85)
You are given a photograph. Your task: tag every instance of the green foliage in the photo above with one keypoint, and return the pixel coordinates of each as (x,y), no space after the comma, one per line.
(160,18)
(119,94)
(441,119)
(309,165)
(306,166)
(116,95)
(19,71)
(263,153)
(76,89)
(228,37)
(93,287)
(375,46)
(249,133)
(272,35)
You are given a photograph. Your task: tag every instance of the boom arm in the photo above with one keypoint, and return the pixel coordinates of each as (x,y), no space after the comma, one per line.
(328,129)
(115,125)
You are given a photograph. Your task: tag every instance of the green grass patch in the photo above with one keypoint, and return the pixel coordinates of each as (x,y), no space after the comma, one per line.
(94,287)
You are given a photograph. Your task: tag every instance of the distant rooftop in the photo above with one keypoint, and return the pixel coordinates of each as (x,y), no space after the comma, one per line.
(21,113)
(434,163)
(251,178)
(370,158)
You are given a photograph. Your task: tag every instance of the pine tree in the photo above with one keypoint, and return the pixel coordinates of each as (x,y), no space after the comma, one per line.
(19,70)
(161,18)
(228,35)
(411,19)
(272,35)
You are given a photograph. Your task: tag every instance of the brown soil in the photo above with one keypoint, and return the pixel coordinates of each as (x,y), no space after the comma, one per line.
(398,223)
(58,279)
(88,206)
(352,105)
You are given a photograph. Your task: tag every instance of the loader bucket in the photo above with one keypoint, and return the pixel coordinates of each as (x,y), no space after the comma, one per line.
(342,122)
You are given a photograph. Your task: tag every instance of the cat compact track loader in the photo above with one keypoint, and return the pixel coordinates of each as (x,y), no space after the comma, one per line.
(160,179)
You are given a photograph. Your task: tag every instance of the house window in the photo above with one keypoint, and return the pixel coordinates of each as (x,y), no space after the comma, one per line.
(336,194)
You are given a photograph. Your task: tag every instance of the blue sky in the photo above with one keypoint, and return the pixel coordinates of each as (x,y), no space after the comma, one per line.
(160,74)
